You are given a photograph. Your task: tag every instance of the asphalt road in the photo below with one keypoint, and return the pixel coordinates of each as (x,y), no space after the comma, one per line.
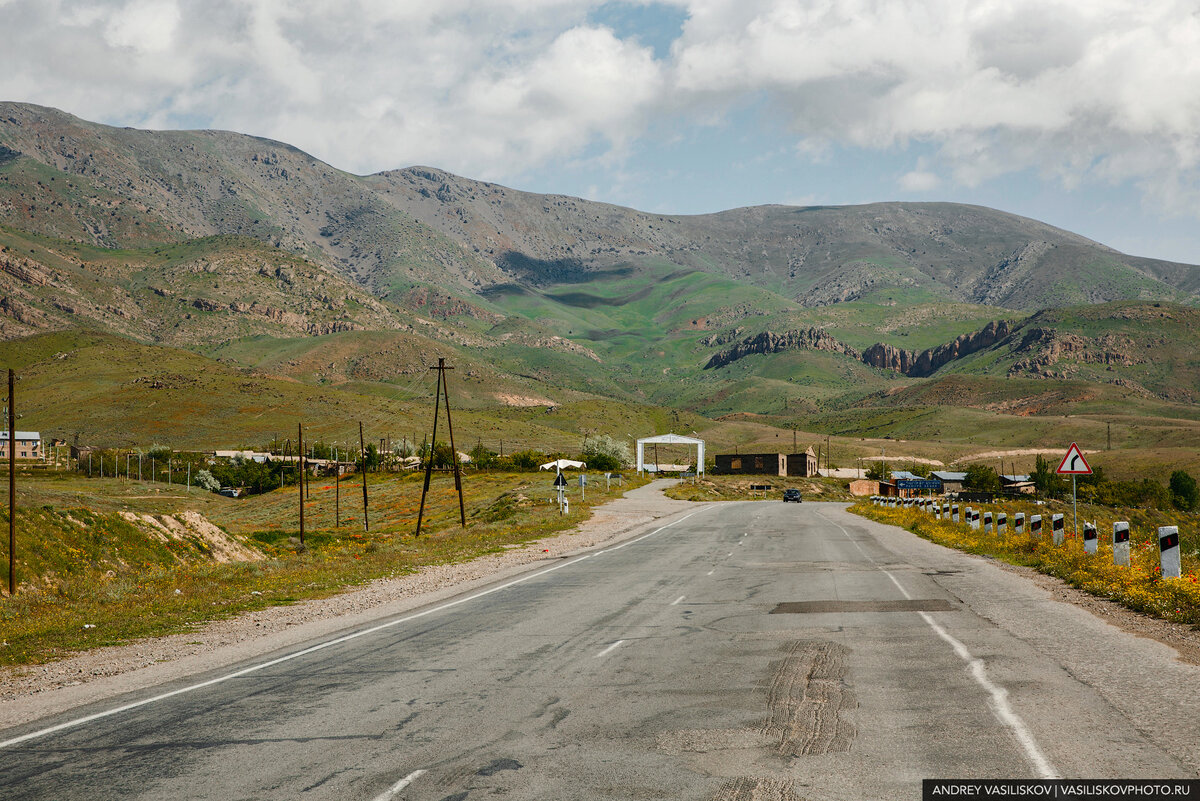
(664,667)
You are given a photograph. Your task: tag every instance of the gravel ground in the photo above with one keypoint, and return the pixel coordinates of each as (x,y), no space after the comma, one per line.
(29,693)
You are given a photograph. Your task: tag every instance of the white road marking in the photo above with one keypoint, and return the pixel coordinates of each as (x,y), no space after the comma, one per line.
(997,695)
(70,724)
(729,554)
(714,570)
(390,793)
(609,648)
(677,600)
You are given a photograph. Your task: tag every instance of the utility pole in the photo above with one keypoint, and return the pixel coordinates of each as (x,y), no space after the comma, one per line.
(442,389)
(337,490)
(300,456)
(1109,437)
(363,447)
(12,484)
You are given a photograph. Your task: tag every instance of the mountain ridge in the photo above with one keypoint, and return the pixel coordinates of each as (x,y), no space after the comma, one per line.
(396,229)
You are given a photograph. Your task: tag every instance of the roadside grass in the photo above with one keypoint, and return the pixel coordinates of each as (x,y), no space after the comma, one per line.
(738,488)
(89,578)
(1139,587)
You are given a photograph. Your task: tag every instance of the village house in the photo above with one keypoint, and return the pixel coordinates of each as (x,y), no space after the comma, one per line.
(762,464)
(29,445)
(802,464)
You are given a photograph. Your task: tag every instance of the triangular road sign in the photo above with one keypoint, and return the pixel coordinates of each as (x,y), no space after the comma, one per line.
(561,480)
(1073,464)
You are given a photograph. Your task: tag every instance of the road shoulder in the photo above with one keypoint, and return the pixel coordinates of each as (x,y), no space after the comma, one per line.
(32,692)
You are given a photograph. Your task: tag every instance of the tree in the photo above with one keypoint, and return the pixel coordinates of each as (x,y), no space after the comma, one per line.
(527,460)
(205,480)
(878,471)
(443,455)
(482,456)
(1185,494)
(159,452)
(1047,481)
(981,478)
(372,460)
(605,453)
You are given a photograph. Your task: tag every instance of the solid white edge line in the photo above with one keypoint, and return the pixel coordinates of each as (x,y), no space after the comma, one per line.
(997,695)
(390,793)
(677,600)
(609,648)
(999,702)
(321,646)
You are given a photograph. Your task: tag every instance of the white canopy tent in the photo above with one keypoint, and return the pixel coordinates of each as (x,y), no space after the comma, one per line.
(563,464)
(669,439)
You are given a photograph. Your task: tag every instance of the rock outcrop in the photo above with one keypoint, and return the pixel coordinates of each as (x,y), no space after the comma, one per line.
(927,362)
(770,342)
(885,357)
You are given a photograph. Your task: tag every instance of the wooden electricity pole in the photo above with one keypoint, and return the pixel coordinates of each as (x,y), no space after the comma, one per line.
(442,389)
(362,446)
(300,462)
(12,485)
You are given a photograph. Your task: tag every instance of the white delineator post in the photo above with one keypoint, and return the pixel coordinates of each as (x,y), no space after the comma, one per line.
(1090,541)
(1035,525)
(987,522)
(1121,543)
(1056,526)
(970,515)
(975,519)
(1168,549)
(1001,523)
(1019,523)
(954,513)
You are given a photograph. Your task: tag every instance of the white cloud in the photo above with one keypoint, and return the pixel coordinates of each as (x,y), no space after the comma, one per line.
(1104,90)
(919,181)
(145,26)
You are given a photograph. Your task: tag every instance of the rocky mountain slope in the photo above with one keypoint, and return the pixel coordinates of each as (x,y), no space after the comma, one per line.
(420,226)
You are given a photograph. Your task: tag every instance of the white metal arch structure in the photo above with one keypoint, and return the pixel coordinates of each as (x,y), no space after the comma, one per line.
(670,439)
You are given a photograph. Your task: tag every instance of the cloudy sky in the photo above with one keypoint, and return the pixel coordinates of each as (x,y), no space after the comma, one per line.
(1085,114)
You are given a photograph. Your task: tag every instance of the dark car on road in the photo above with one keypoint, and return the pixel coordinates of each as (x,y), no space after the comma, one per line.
(792,494)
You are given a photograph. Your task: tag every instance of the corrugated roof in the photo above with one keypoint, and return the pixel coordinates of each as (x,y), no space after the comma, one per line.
(21,434)
(945,475)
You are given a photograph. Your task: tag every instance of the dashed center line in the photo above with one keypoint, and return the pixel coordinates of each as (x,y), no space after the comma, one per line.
(390,793)
(677,600)
(70,724)
(609,648)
